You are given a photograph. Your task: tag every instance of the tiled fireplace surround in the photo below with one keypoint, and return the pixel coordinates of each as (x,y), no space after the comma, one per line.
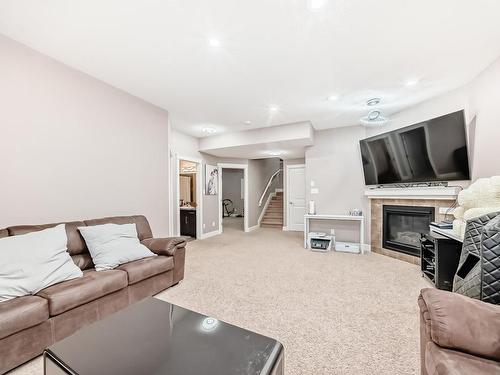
(377,224)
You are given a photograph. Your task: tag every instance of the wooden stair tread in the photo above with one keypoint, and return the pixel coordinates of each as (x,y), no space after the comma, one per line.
(273,217)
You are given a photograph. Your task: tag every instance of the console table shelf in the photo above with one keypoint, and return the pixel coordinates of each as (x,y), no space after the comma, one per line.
(359,219)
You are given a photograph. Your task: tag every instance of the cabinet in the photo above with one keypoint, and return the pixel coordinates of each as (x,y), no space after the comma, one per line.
(439,257)
(188,223)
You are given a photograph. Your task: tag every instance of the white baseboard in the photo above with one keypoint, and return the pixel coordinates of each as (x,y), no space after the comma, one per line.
(210,234)
(253,228)
(366,248)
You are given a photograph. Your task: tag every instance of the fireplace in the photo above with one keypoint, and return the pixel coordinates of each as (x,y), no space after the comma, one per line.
(403,225)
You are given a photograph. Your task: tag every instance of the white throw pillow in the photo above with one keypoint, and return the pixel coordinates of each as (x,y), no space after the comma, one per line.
(112,244)
(34,261)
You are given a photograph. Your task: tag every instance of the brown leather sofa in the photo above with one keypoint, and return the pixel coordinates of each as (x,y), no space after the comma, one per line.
(458,334)
(29,324)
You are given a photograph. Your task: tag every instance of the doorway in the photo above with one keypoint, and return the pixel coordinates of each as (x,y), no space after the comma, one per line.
(189,197)
(233,197)
(295,196)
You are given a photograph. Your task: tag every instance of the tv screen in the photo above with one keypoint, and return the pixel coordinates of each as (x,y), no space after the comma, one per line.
(430,151)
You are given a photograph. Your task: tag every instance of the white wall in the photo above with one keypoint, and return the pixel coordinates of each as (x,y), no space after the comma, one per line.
(484,99)
(72,147)
(334,165)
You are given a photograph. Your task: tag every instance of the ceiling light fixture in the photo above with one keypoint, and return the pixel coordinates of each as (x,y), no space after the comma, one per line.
(315,5)
(332,98)
(214,42)
(373,102)
(275,153)
(411,82)
(273,108)
(374,118)
(209,130)
(248,122)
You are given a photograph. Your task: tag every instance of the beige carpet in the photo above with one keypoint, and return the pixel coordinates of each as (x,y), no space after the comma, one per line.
(335,313)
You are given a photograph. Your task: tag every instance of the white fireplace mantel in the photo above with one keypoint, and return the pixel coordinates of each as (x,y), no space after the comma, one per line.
(438,192)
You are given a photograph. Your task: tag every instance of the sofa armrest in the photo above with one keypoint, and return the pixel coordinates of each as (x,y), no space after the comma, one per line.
(457,322)
(164,246)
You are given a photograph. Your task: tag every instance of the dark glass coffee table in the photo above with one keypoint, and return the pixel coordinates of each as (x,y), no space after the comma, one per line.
(154,337)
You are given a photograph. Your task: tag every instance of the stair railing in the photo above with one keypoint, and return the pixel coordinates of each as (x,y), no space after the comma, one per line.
(268,185)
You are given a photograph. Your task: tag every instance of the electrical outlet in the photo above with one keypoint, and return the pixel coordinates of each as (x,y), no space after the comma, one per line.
(213,223)
(332,231)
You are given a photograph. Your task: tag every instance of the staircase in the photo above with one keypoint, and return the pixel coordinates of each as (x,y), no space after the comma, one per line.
(273,217)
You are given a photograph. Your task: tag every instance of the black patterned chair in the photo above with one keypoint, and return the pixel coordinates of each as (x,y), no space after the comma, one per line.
(478,273)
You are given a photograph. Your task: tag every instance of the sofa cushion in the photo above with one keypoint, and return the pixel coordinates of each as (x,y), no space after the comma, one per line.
(34,261)
(141,223)
(440,361)
(83,261)
(21,313)
(111,245)
(76,244)
(93,285)
(141,269)
(459,322)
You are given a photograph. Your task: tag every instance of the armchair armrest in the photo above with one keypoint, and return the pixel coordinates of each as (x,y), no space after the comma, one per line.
(457,322)
(164,246)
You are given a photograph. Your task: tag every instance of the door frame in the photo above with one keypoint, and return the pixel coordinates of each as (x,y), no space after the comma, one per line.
(245,199)
(287,202)
(199,194)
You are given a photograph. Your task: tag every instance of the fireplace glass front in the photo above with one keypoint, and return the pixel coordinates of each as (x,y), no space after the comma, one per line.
(403,227)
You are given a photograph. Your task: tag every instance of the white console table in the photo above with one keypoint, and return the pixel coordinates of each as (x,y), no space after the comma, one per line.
(359,219)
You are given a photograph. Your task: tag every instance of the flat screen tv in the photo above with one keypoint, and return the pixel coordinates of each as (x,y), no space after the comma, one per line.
(430,151)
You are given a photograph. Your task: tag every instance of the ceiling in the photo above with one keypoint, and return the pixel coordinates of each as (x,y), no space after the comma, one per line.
(220,63)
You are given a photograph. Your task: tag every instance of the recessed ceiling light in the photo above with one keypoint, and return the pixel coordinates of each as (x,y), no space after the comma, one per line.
(209,130)
(275,153)
(332,98)
(373,101)
(248,122)
(374,118)
(411,82)
(273,108)
(315,5)
(214,42)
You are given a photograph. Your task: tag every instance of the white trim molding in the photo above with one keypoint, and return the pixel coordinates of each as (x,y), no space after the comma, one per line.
(199,194)
(245,200)
(210,234)
(446,193)
(253,228)
(366,248)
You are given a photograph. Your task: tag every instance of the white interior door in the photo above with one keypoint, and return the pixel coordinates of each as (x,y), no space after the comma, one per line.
(296,196)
